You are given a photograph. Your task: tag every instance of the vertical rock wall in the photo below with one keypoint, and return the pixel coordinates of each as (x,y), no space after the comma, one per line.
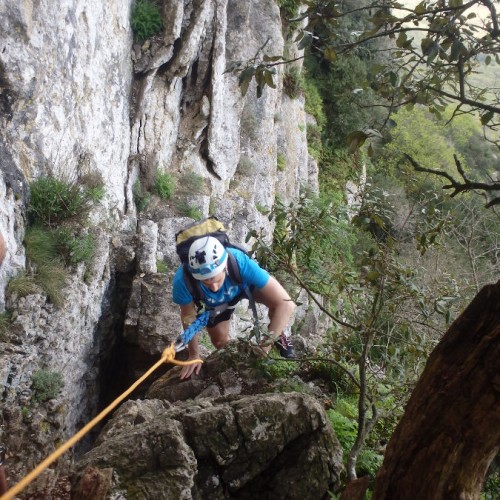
(77,95)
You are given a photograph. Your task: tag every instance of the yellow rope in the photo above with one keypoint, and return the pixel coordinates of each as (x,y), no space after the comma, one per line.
(168,356)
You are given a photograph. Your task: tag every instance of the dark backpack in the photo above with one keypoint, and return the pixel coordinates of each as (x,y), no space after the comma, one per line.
(211,226)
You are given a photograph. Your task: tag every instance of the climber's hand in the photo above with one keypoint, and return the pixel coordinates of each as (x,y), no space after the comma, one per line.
(188,370)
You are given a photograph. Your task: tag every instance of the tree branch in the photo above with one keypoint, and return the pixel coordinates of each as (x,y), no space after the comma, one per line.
(456,186)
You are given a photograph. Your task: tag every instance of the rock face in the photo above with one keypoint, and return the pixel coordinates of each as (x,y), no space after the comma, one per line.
(274,445)
(79,96)
(230,432)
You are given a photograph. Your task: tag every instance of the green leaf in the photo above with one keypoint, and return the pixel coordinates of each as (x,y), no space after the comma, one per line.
(372,276)
(244,86)
(487,117)
(402,39)
(378,220)
(245,78)
(272,58)
(457,49)
(268,79)
(304,42)
(420,8)
(330,54)
(355,140)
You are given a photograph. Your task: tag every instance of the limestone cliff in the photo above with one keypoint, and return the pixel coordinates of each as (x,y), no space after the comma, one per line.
(78,95)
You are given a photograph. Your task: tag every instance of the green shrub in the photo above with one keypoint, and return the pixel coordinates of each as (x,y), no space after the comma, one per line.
(94,185)
(4,326)
(146,19)
(275,368)
(187,210)
(73,247)
(314,102)
(161,266)
(344,422)
(262,208)
(141,198)
(40,245)
(246,166)
(23,285)
(52,279)
(292,82)
(164,185)
(45,385)
(53,201)
(289,7)
(314,144)
(281,162)
(44,249)
(190,183)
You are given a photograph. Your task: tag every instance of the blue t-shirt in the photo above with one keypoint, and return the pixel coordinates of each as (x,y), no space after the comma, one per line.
(251,274)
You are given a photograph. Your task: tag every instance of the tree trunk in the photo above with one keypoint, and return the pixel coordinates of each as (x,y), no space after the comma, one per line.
(450,430)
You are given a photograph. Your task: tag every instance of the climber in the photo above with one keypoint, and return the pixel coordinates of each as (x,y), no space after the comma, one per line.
(208,263)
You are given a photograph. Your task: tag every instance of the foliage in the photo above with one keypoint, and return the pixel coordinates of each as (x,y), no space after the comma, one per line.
(141,198)
(386,316)
(334,375)
(289,7)
(390,56)
(324,251)
(191,183)
(22,285)
(246,166)
(52,279)
(346,97)
(58,212)
(53,201)
(46,385)
(281,162)
(491,488)
(187,210)
(343,420)
(40,245)
(465,230)
(292,82)
(74,247)
(314,144)
(164,185)
(146,19)
(4,325)
(314,104)
(275,368)
(161,266)
(261,208)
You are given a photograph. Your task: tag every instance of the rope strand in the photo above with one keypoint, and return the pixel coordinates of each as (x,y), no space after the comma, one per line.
(168,356)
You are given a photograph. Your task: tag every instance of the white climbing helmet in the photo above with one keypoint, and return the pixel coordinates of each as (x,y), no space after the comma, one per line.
(207,258)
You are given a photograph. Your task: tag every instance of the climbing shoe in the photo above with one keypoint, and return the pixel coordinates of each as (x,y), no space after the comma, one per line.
(285,347)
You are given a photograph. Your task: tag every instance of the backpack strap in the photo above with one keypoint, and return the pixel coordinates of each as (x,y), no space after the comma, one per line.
(194,288)
(234,273)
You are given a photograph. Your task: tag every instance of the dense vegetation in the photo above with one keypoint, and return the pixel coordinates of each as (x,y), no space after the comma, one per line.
(395,269)
(58,235)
